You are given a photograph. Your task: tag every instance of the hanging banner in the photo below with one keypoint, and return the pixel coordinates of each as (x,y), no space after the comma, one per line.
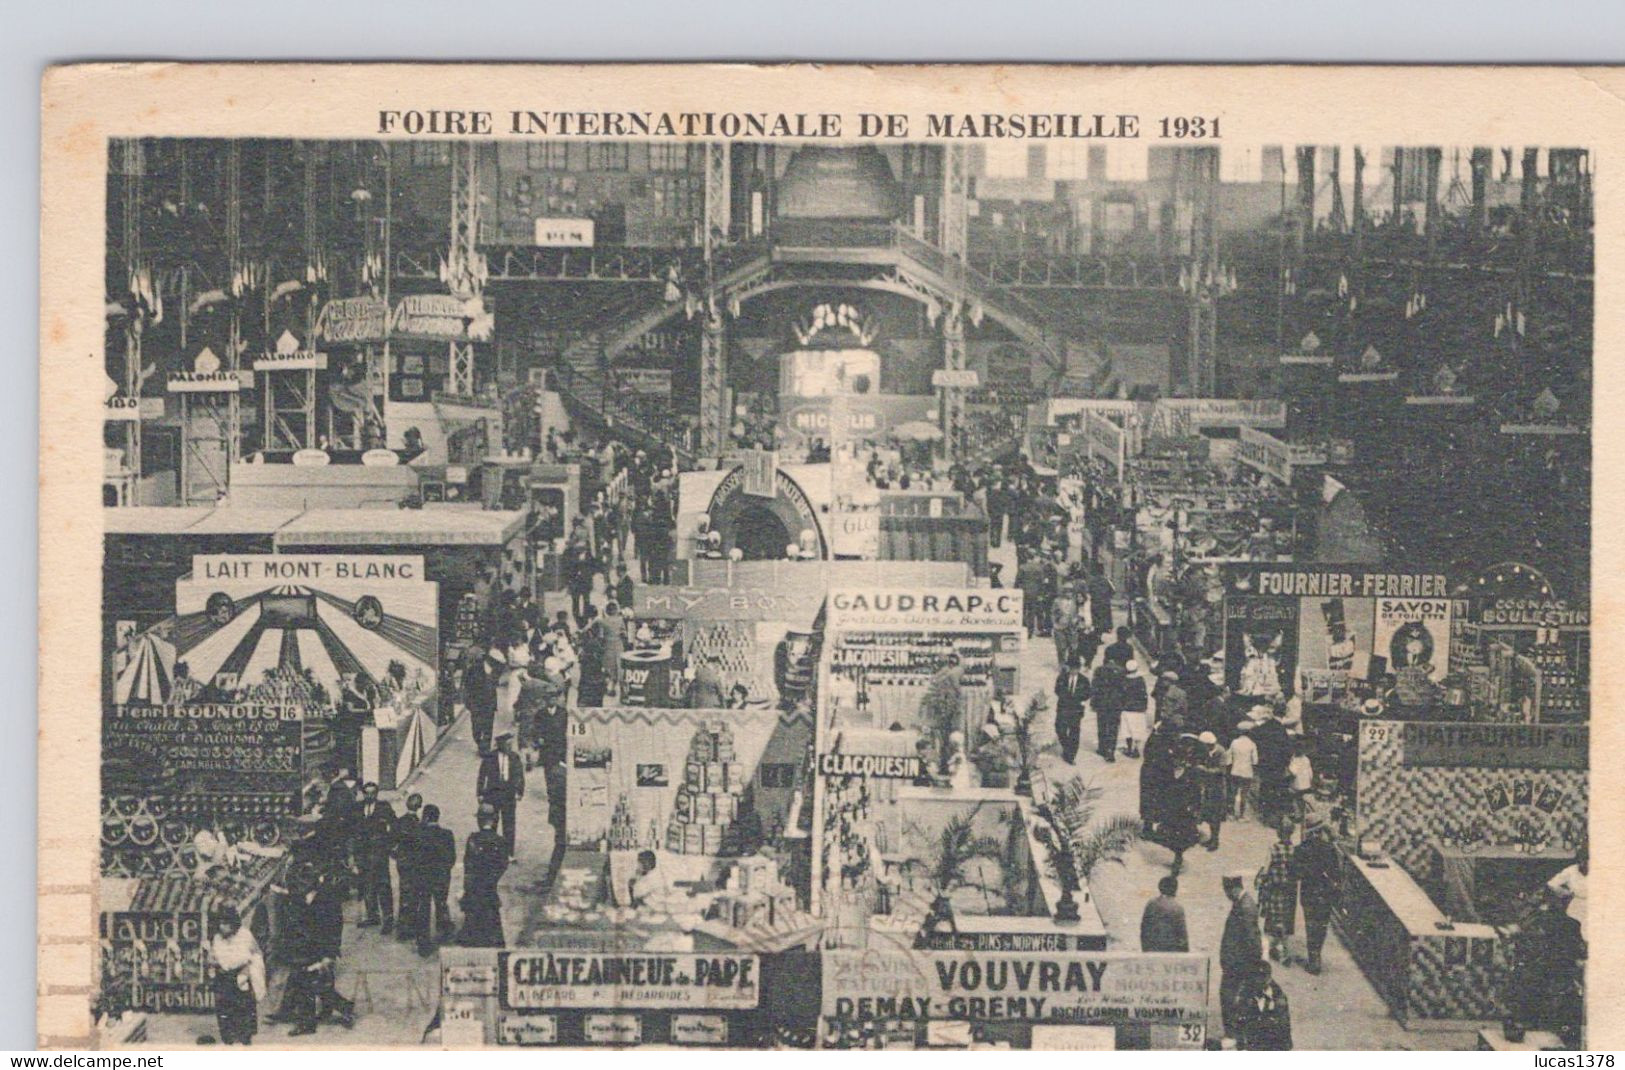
(872,984)
(1105,440)
(353,320)
(1266,453)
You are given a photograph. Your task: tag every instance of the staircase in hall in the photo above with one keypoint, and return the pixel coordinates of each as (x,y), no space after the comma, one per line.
(584,364)
(1029,323)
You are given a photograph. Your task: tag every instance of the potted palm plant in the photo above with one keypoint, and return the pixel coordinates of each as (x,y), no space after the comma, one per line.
(957,847)
(1078,844)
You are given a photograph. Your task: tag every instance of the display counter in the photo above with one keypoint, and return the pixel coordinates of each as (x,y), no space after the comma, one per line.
(1486,883)
(1423,966)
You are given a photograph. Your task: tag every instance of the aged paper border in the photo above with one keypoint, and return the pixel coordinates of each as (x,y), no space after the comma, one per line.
(85,105)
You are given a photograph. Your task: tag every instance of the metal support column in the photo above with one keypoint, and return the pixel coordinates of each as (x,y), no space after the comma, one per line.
(133,165)
(952,397)
(955,201)
(462,263)
(234,253)
(718,197)
(714,417)
(1206,283)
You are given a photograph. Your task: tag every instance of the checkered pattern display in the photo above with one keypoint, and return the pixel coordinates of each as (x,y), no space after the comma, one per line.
(1452,978)
(1409,808)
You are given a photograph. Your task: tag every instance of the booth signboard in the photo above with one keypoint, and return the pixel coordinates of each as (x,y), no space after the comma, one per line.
(1266,453)
(650,382)
(1327,619)
(1496,746)
(866,416)
(297,360)
(725,603)
(971,609)
(222,382)
(562,980)
(866,985)
(1414,633)
(955,378)
(1495,787)
(435,317)
(244,616)
(353,320)
(1180,417)
(564,233)
(212,748)
(1531,614)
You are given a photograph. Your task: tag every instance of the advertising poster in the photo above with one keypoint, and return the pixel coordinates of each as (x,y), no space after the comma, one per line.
(1414,634)
(251,620)
(1260,646)
(1335,635)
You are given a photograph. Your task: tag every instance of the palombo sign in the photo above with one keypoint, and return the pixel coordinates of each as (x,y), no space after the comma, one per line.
(991,610)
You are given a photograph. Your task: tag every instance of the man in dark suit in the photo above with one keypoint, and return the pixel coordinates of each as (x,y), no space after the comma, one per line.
(480,694)
(502,784)
(372,833)
(1071,696)
(1241,948)
(1111,695)
(436,851)
(403,847)
(1318,868)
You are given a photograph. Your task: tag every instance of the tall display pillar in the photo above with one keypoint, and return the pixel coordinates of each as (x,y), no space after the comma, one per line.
(713,386)
(952,393)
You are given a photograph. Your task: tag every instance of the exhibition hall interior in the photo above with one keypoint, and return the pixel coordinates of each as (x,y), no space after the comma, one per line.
(1086,594)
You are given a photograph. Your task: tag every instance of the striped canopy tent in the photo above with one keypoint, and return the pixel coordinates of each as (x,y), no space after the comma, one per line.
(233,642)
(149,673)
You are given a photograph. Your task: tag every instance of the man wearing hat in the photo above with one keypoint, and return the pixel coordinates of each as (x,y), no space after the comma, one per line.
(502,785)
(485,859)
(1318,869)
(1241,948)
(1072,691)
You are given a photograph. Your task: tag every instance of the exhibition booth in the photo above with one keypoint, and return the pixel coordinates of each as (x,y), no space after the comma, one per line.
(1455,801)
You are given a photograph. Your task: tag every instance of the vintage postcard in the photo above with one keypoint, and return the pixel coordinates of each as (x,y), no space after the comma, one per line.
(724,556)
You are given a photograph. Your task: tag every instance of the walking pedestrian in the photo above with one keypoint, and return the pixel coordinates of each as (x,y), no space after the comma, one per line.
(485,859)
(480,694)
(1072,693)
(403,848)
(1318,868)
(1240,948)
(239,979)
(1242,757)
(1162,925)
(1278,896)
(502,784)
(1110,692)
(1263,1019)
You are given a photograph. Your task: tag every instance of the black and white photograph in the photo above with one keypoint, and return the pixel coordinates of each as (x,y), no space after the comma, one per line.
(1045,582)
